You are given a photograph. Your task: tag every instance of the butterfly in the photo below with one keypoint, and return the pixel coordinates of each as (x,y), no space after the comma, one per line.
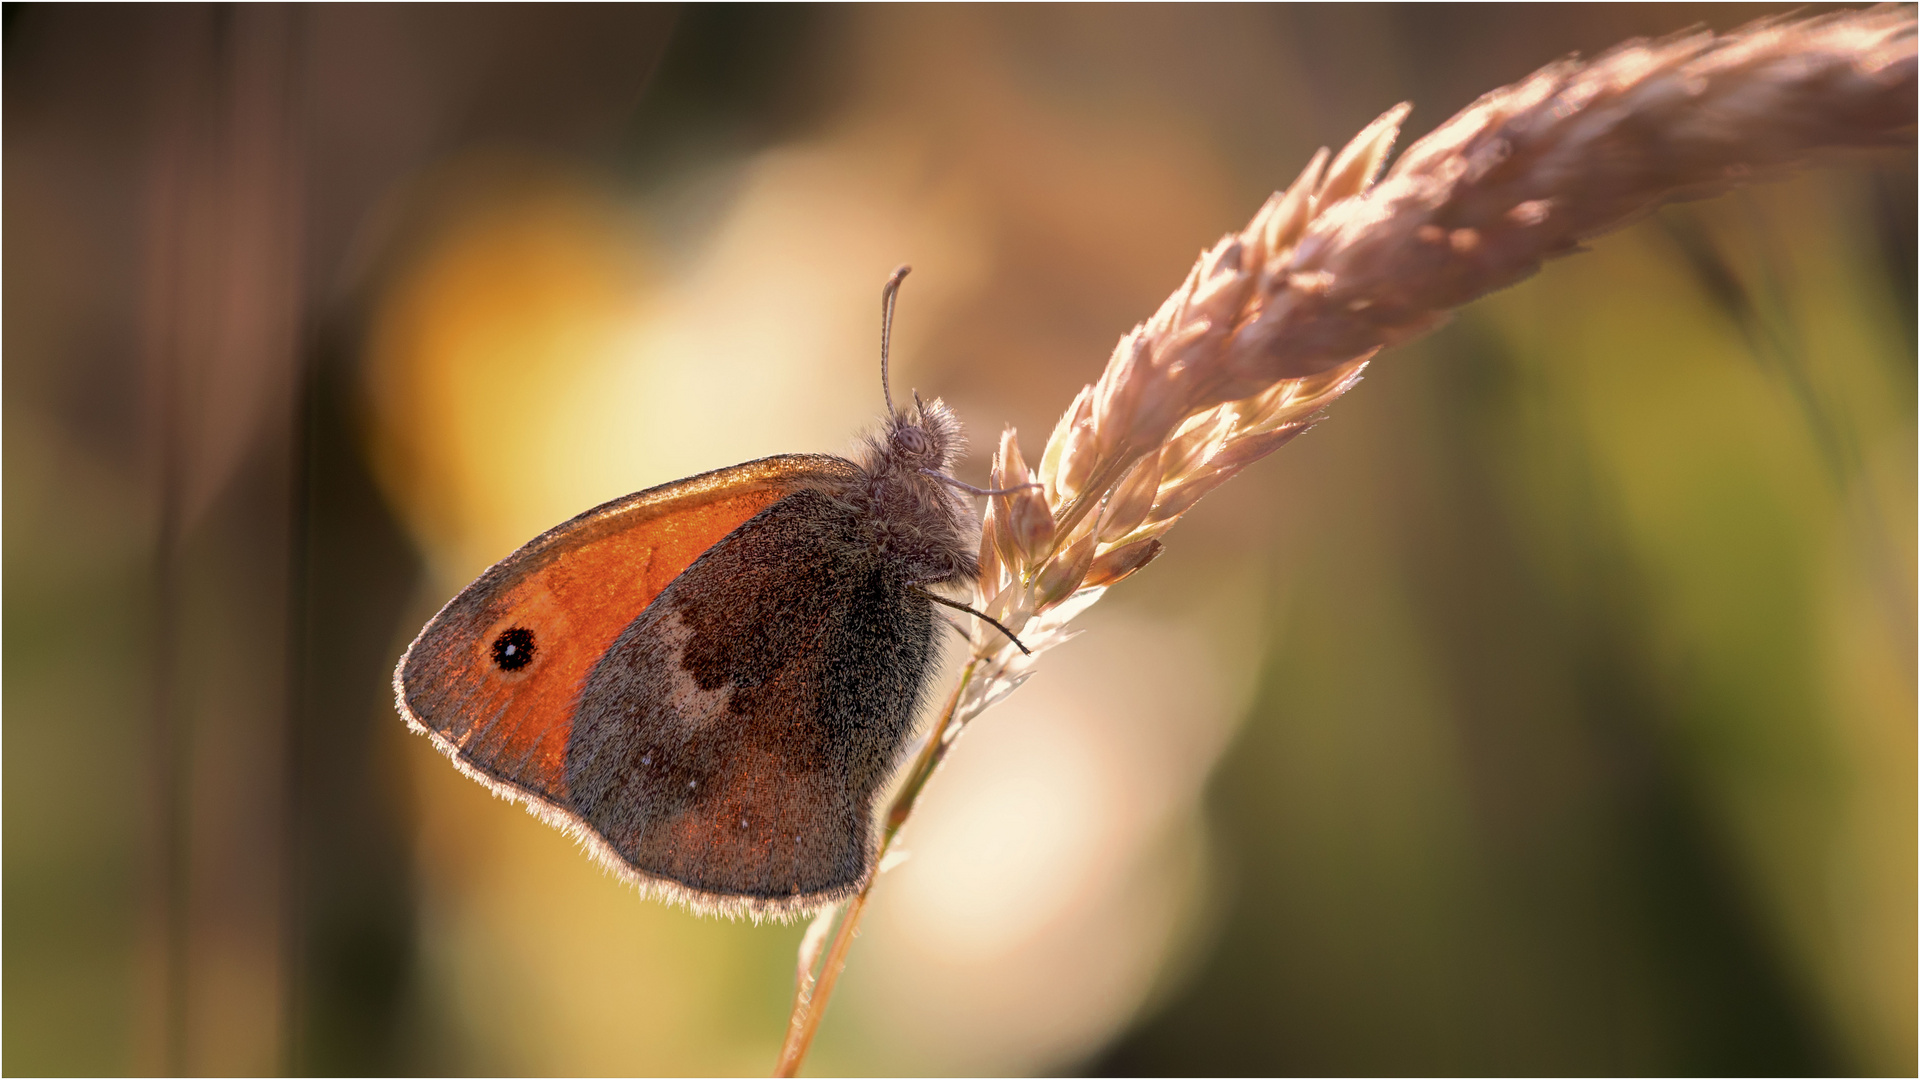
(709,683)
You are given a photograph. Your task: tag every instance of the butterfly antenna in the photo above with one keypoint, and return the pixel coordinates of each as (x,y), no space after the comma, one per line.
(887,297)
(970,489)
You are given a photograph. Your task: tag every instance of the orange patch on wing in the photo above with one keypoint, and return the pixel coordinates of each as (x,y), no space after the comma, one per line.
(574,588)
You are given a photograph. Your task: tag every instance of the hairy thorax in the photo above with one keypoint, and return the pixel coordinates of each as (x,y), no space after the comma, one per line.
(917,521)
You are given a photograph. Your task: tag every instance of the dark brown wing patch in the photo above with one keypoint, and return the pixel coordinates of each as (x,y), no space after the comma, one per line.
(734,739)
(495,676)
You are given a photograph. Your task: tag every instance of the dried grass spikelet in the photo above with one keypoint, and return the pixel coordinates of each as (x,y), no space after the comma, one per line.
(1278,320)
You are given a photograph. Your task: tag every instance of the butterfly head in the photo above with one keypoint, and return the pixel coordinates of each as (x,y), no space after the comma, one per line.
(913,443)
(927,436)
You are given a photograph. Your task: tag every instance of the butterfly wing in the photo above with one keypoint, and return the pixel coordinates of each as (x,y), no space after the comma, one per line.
(732,742)
(494,678)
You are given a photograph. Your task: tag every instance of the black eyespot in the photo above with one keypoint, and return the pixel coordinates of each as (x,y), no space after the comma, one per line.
(513,649)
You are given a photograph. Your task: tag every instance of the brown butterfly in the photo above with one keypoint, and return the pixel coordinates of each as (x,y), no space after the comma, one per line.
(710,682)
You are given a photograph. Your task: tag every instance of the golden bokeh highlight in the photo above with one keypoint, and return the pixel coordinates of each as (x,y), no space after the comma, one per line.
(476,345)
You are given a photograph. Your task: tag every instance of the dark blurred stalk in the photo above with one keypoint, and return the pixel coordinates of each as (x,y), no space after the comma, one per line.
(1764,320)
(222,232)
(170,753)
(1766,327)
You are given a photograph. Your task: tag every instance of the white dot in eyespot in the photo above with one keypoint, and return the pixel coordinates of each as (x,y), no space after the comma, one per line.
(691,784)
(743,823)
(646,759)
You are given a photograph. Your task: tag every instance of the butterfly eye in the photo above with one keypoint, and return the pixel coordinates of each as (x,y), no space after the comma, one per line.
(513,649)
(912,440)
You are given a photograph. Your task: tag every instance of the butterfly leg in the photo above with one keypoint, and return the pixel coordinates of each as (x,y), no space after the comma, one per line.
(981,615)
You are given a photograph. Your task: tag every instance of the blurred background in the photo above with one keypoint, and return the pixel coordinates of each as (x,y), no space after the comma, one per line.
(1550,709)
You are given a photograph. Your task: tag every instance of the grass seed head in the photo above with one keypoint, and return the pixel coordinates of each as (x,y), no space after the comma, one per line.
(1275,322)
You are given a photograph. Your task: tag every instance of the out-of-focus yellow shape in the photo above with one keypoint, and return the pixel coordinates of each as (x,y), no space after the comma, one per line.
(476,346)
